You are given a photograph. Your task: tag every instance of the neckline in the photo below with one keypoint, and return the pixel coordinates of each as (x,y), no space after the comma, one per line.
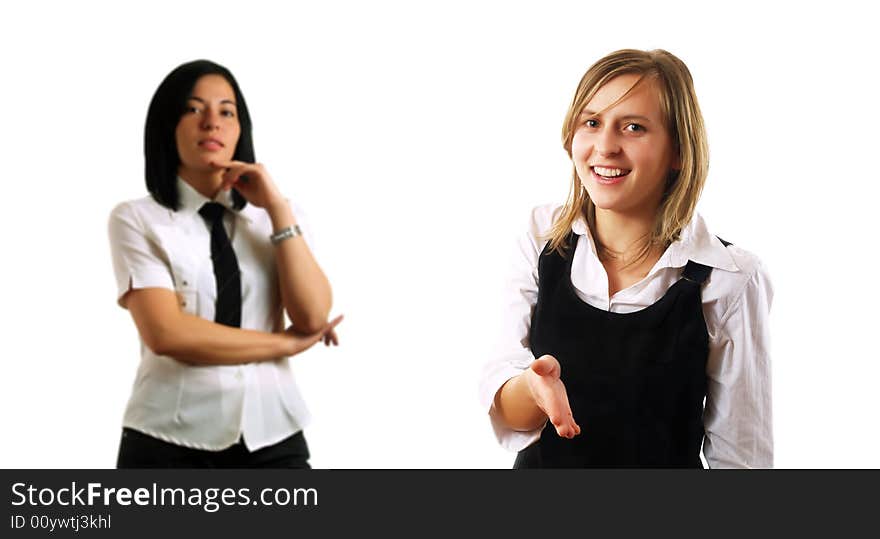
(631,315)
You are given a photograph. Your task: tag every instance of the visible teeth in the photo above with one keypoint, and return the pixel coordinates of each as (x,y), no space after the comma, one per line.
(608,172)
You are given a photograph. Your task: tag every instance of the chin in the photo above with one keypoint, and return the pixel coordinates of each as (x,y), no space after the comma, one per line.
(607,205)
(602,200)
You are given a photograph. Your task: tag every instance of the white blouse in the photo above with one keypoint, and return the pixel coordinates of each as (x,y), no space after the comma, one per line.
(205,407)
(736,305)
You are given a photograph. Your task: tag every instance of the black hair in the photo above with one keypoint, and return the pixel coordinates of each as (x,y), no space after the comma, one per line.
(167,106)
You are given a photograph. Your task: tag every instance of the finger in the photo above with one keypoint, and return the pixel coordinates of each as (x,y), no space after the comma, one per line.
(559,412)
(332,337)
(304,342)
(333,323)
(230,177)
(234,172)
(219,163)
(227,183)
(330,332)
(568,429)
(564,424)
(234,175)
(318,335)
(565,431)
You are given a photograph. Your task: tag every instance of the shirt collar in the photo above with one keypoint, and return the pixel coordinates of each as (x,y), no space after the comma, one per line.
(698,244)
(695,243)
(191,201)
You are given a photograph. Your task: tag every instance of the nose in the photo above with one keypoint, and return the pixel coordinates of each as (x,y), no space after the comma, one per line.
(210,119)
(606,142)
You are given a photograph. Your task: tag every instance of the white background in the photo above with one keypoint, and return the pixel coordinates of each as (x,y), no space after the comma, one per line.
(418,136)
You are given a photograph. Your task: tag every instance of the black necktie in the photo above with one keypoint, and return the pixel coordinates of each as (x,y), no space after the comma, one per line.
(226,272)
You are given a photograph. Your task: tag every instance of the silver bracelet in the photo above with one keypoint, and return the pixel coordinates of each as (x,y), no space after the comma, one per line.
(284,233)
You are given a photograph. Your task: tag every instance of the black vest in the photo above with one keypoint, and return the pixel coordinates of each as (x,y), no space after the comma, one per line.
(636,382)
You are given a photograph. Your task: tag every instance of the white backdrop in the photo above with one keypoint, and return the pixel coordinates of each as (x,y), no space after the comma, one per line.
(418,136)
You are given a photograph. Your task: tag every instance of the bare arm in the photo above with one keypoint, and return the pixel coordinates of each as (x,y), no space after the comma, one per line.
(526,401)
(169,331)
(305,290)
(521,392)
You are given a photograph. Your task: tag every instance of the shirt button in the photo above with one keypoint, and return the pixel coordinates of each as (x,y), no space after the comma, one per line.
(183,303)
(239,375)
(185,283)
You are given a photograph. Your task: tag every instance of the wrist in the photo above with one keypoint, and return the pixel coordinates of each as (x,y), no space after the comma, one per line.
(288,344)
(280,214)
(285,233)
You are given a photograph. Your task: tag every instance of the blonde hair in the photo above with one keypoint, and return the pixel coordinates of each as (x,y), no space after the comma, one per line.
(683,120)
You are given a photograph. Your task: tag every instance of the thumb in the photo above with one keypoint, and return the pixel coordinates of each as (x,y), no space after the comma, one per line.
(546,365)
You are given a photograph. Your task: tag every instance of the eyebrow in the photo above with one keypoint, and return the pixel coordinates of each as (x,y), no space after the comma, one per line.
(223,102)
(645,119)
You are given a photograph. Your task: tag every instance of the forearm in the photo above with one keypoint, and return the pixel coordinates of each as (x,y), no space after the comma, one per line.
(201,342)
(305,290)
(515,406)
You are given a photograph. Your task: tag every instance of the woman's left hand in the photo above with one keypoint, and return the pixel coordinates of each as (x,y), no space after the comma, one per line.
(251,180)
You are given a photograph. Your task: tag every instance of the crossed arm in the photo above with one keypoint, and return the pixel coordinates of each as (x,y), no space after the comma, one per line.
(305,294)
(167,330)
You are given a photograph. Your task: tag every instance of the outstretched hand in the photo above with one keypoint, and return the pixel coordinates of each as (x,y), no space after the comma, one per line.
(301,342)
(548,391)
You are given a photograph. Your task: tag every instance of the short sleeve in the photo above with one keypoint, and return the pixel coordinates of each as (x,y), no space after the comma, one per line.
(738,419)
(137,261)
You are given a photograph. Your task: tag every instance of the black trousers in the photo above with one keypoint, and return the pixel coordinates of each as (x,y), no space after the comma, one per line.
(138,450)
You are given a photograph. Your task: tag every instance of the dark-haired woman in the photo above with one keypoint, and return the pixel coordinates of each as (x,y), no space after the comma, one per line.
(207,265)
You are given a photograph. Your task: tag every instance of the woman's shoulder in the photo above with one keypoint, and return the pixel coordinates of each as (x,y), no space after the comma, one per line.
(542,217)
(139,211)
(748,263)
(740,274)
(719,251)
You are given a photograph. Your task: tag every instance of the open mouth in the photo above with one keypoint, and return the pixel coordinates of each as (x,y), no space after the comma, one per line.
(610,174)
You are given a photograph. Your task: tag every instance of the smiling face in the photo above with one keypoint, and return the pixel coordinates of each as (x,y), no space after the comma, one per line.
(623,153)
(208,130)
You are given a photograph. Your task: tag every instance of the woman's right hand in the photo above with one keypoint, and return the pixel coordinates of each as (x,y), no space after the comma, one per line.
(544,382)
(300,342)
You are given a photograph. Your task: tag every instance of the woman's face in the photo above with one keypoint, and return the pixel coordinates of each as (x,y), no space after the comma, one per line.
(624,154)
(209,129)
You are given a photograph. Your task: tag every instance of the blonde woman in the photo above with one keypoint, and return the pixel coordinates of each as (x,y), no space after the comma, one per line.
(635,337)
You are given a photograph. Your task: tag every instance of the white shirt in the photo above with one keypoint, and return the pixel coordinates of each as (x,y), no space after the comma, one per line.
(736,304)
(205,407)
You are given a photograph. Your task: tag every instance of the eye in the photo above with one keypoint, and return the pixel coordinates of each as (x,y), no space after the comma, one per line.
(591,123)
(191,109)
(228,113)
(635,128)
